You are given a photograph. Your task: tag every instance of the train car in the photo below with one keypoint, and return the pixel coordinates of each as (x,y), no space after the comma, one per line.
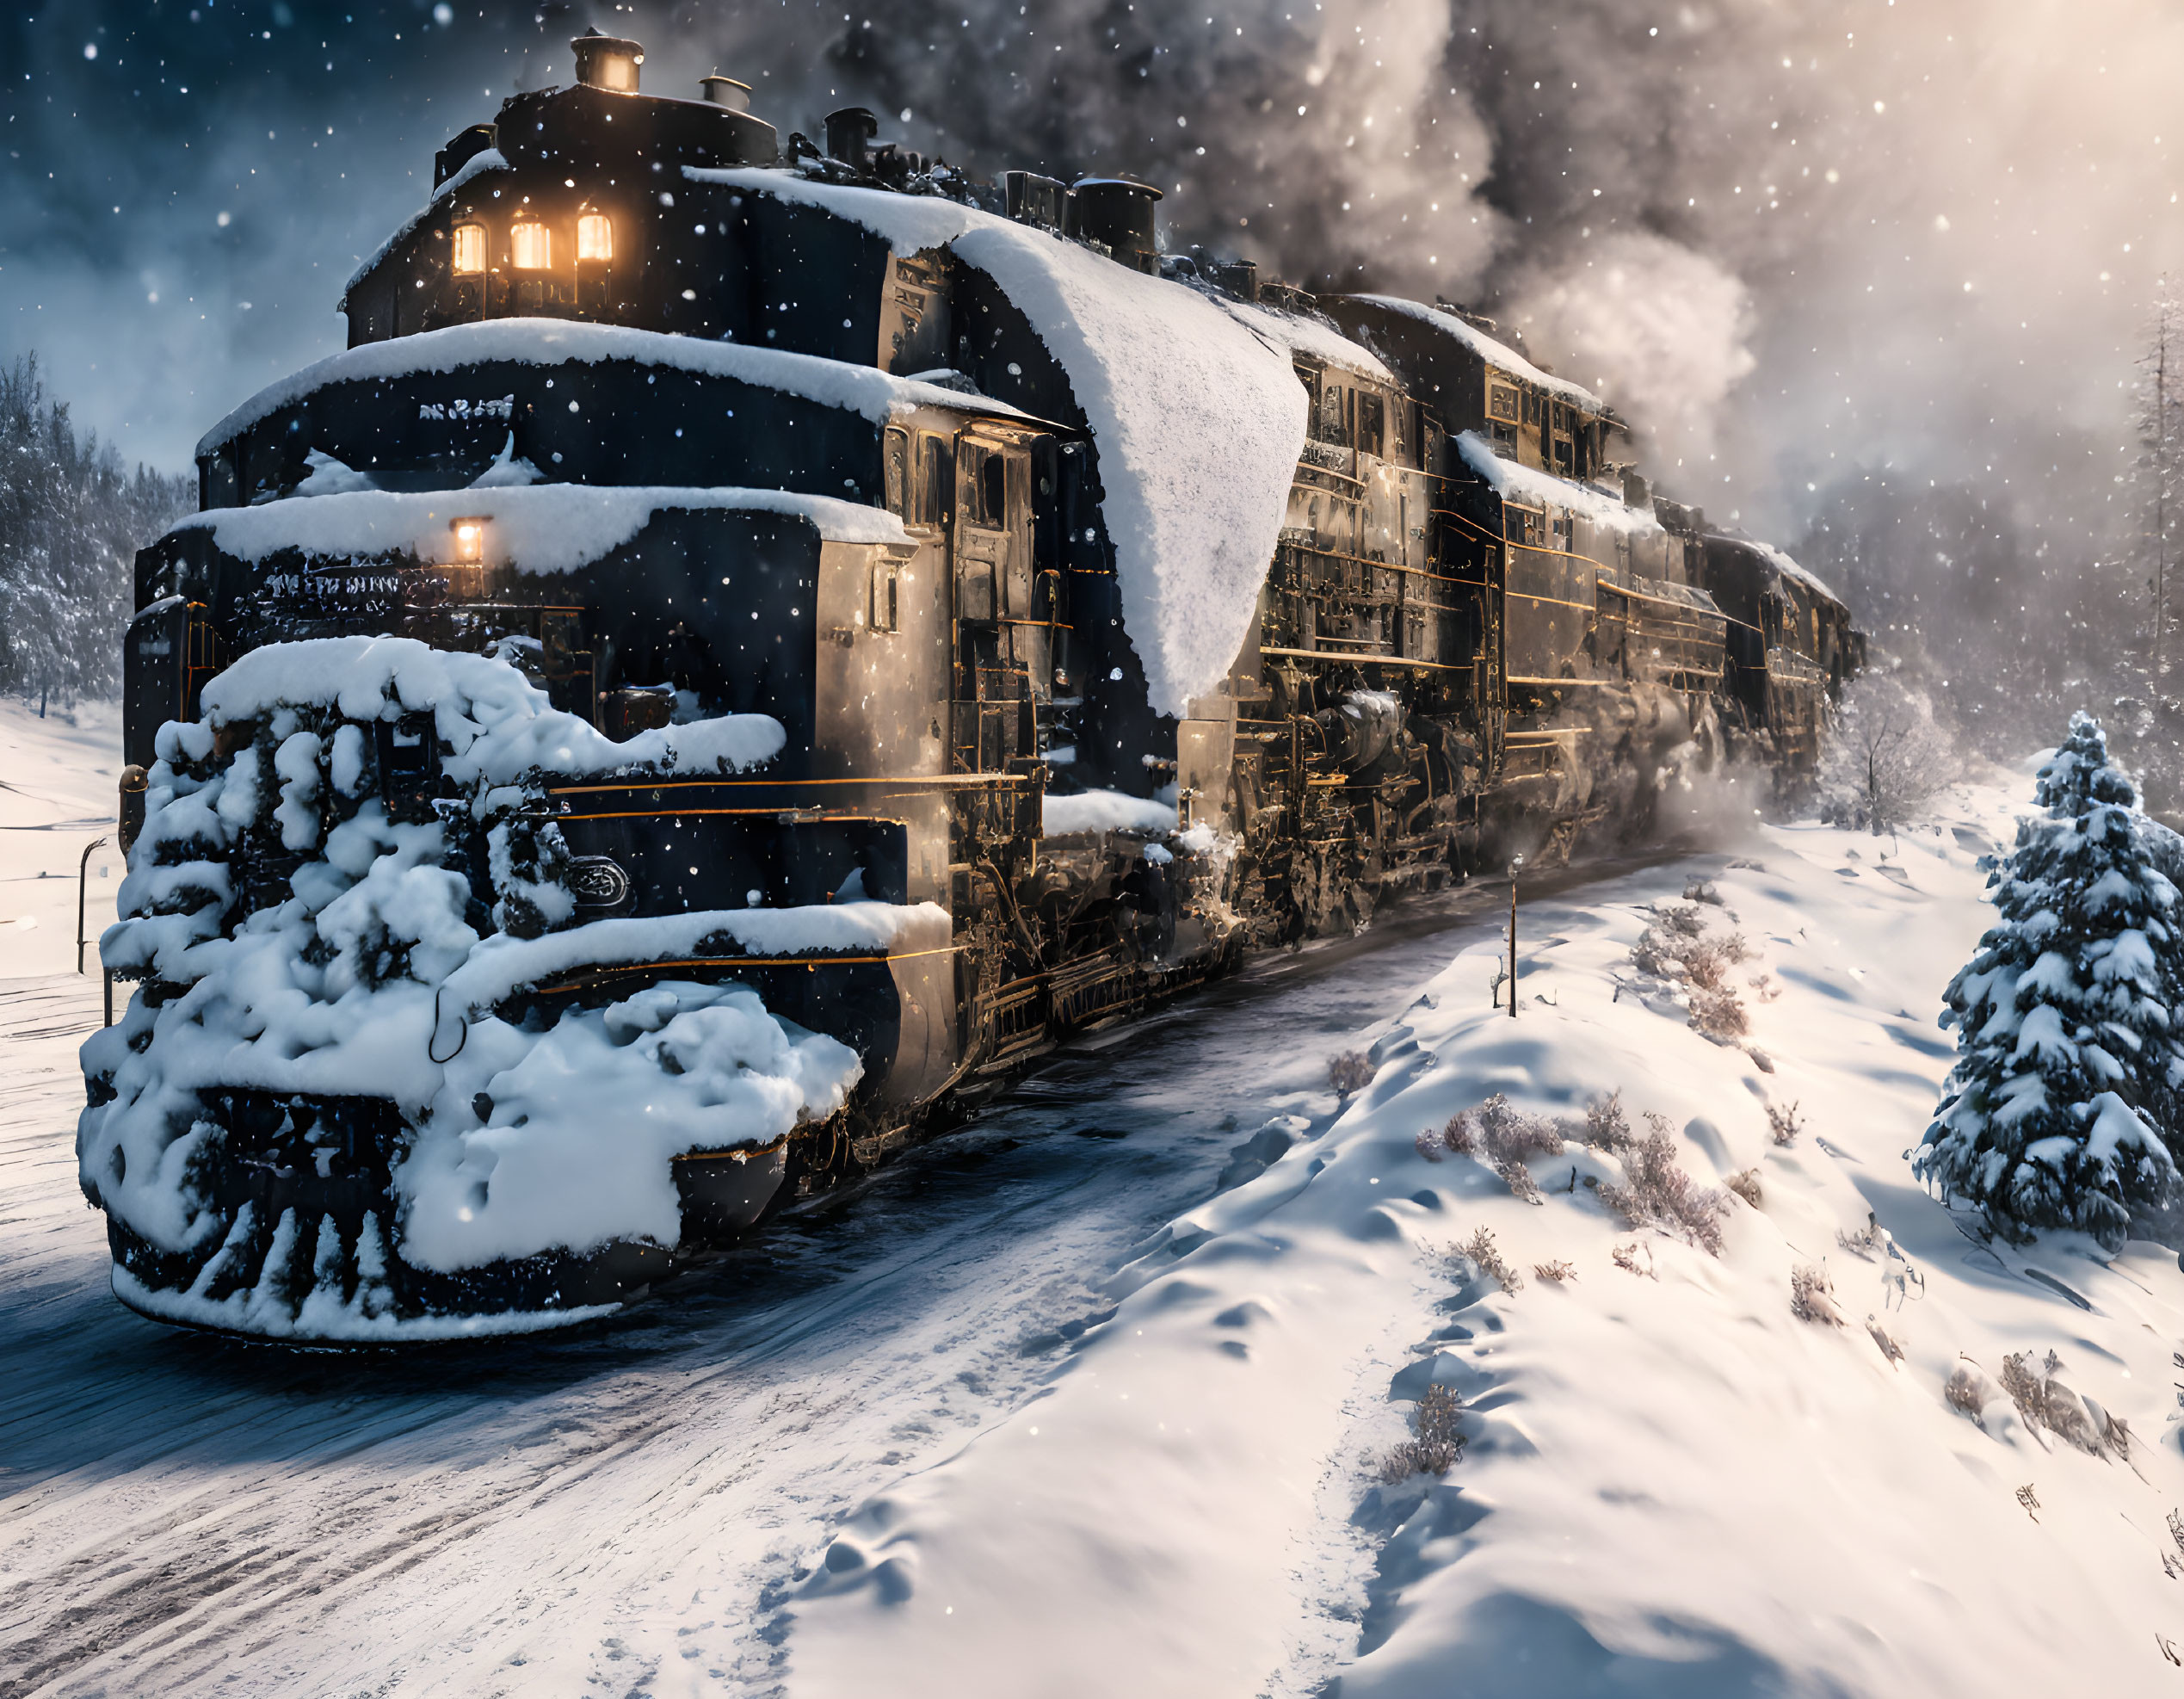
(753,644)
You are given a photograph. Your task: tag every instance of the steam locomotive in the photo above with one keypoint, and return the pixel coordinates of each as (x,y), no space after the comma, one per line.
(751,644)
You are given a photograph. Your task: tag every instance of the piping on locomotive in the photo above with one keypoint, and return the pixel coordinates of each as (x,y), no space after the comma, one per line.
(747,645)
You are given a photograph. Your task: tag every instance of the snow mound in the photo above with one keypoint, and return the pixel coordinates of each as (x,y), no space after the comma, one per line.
(538,527)
(582,1122)
(1192,402)
(371,971)
(1668,1480)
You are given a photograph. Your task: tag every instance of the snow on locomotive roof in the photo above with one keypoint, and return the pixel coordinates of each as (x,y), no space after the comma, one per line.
(1499,355)
(490,159)
(541,528)
(1192,400)
(1787,567)
(554,341)
(1516,482)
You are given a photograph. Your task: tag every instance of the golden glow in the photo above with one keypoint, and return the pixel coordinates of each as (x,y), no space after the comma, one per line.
(470,539)
(470,250)
(594,237)
(530,247)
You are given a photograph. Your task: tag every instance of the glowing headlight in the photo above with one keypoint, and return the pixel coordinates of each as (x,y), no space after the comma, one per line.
(530,247)
(594,237)
(470,539)
(470,250)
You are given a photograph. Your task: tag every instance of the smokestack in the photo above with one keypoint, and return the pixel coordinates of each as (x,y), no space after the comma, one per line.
(726,91)
(849,134)
(1118,211)
(608,62)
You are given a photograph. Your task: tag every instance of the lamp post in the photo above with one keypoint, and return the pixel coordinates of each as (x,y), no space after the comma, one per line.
(1515,863)
(82,873)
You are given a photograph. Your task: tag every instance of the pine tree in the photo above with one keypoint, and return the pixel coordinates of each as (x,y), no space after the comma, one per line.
(2161,436)
(71,522)
(2068,1071)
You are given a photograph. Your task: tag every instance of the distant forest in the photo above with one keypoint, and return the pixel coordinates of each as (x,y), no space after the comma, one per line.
(71,520)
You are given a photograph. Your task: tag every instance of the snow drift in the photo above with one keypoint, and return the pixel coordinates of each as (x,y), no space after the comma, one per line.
(1671,1480)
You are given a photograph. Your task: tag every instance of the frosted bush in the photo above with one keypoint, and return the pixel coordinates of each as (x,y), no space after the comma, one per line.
(1349,1073)
(1607,1128)
(1967,1391)
(1883,1341)
(2043,1401)
(1507,1137)
(1656,1193)
(1812,1296)
(1486,1257)
(1438,1444)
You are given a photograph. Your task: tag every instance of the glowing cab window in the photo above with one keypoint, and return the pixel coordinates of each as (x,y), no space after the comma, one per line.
(594,237)
(470,250)
(530,247)
(469,535)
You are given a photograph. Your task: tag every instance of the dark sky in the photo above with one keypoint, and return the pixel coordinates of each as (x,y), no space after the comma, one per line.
(190,185)
(1790,240)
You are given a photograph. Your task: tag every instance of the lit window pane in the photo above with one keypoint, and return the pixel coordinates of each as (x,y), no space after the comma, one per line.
(470,249)
(469,539)
(595,237)
(530,246)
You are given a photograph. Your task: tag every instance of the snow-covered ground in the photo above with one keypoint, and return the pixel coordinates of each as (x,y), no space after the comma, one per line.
(56,793)
(1091,1397)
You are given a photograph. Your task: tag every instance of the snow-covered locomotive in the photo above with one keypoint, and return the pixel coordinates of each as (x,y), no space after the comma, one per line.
(747,645)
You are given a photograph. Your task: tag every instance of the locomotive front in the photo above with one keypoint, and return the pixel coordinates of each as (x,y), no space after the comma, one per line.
(537,792)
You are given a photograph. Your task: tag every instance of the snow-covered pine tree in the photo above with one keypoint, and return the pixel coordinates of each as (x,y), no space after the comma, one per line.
(2068,1070)
(71,522)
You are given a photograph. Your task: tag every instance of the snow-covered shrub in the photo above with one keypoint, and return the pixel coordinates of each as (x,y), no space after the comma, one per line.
(1461,1136)
(1885,756)
(1676,948)
(1784,1123)
(1507,1137)
(1438,1446)
(1719,1015)
(1883,1341)
(1349,1073)
(2068,1063)
(1481,1251)
(1562,1269)
(1607,1128)
(1812,1295)
(1656,1193)
(1967,1391)
(1429,1144)
(1745,1182)
(2043,1401)
(1626,1257)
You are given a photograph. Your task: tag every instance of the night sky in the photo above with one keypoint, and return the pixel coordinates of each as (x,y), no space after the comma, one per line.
(188,186)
